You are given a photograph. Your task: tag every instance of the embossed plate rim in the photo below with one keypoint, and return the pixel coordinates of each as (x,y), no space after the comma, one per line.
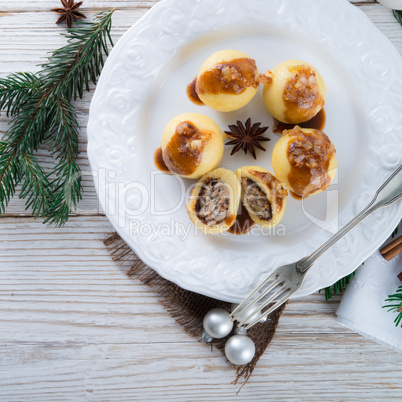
(162,23)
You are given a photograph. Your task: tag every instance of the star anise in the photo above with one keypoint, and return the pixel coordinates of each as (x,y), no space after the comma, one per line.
(69,13)
(246,137)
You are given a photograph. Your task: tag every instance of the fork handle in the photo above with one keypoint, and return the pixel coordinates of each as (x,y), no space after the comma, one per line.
(389,192)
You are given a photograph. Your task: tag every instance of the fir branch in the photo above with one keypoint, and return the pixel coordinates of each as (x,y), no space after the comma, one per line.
(28,128)
(16,90)
(396,307)
(67,184)
(398,15)
(10,174)
(338,287)
(23,137)
(36,187)
(395,232)
(41,112)
(73,66)
(26,132)
(68,194)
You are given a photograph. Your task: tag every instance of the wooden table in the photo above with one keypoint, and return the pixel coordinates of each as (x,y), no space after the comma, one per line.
(74,327)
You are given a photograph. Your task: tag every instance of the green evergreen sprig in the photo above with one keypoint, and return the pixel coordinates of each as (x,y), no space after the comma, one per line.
(338,287)
(396,307)
(397,297)
(41,112)
(398,15)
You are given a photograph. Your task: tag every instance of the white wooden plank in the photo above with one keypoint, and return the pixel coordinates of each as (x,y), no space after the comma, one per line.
(26,38)
(353,368)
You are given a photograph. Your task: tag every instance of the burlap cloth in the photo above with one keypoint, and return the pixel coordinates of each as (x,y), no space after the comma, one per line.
(189,308)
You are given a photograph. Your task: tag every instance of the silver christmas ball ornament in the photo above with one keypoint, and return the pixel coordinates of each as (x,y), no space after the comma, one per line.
(239,349)
(217,323)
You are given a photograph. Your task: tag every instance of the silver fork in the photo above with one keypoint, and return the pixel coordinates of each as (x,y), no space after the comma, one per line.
(289,278)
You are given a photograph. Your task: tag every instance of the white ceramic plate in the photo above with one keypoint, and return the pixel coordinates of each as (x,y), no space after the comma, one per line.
(143,85)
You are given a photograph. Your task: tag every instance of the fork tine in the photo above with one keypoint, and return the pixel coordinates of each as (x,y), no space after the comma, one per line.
(270,299)
(277,282)
(244,305)
(271,309)
(253,302)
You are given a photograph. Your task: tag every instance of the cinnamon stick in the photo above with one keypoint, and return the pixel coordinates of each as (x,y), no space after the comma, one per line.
(392,249)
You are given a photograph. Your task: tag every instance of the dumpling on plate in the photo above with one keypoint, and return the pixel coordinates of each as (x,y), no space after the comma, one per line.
(214,201)
(262,194)
(296,93)
(305,161)
(192,145)
(227,80)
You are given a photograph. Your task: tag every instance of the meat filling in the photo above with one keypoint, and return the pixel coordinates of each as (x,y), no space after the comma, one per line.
(213,202)
(256,199)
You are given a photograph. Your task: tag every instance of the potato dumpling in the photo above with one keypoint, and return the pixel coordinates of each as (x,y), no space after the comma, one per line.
(305,161)
(227,80)
(214,201)
(262,194)
(192,145)
(296,93)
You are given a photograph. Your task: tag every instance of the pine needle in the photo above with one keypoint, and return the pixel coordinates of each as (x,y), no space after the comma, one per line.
(64,143)
(338,287)
(398,15)
(72,67)
(17,89)
(42,114)
(396,307)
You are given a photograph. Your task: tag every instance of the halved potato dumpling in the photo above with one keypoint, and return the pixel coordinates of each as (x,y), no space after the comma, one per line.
(263,195)
(214,201)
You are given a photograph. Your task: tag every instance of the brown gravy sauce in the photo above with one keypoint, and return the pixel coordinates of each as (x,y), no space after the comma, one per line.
(317,122)
(192,93)
(243,223)
(311,173)
(232,77)
(302,99)
(159,162)
(295,196)
(230,219)
(184,151)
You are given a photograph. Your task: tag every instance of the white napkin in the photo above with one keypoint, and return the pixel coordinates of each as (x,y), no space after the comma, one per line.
(361,306)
